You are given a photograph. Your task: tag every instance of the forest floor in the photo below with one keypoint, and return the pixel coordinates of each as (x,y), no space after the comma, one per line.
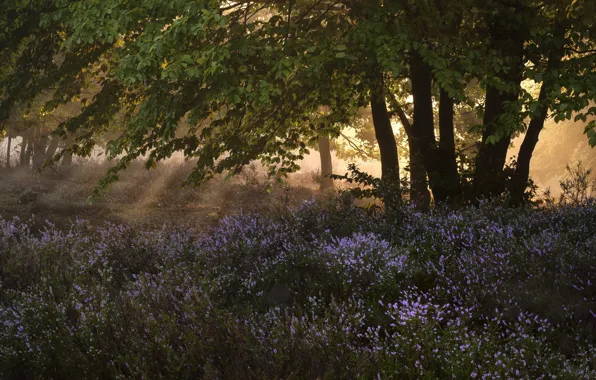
(143,198)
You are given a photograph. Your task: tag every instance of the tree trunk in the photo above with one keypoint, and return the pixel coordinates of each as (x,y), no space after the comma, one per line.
(384,133)
(52,148)
(39,147)
(23,152)
(326,164)
(489,178)
(522,168)
(8,146)
(29,136)
(447,154)
(423,129)
(419,194)
(29,152)
(67,157)
(488,175)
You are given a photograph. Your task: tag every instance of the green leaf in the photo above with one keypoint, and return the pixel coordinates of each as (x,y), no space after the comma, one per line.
(286,62)
(186,59)
(591,132)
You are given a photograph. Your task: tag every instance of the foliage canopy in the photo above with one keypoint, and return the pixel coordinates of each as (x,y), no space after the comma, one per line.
(229,82)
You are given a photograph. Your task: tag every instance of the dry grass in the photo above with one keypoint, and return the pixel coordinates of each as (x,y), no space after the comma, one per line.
(146,198)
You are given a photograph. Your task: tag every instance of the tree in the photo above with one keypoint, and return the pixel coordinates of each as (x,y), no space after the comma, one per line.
(522,168)
(507,33)
(326,164)
(227,83)
(419,194)
(567,78)
(8,149)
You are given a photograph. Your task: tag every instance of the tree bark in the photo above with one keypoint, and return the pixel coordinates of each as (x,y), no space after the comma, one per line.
(419,194)
(29,152)
(23,152)
(52,148)
(27,147)
(447,154)
(384,133)
(66,160)
(423,128)
(489,178)
(488,175)
(67,157)
(522,168)
(423,131)
(326,163)
(39,148)
(8,146)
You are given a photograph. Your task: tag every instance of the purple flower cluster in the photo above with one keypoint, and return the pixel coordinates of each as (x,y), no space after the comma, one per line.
(484,293)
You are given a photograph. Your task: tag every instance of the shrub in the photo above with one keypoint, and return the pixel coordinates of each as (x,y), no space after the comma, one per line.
(577,188)
(323,291)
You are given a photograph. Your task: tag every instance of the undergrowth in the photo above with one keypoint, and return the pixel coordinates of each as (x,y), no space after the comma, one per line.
(323,291)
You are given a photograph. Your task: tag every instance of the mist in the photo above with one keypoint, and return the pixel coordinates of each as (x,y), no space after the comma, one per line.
(560,144)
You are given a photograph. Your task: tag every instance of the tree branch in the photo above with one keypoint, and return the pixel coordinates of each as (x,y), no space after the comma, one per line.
(590,51)
(398,110)
(354,145)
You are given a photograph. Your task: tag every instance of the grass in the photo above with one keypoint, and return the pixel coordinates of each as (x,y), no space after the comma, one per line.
(63,192)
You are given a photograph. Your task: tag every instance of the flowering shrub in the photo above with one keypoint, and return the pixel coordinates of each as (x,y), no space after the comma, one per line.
(323,291)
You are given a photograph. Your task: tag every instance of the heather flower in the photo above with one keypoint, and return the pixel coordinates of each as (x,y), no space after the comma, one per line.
(318,292)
